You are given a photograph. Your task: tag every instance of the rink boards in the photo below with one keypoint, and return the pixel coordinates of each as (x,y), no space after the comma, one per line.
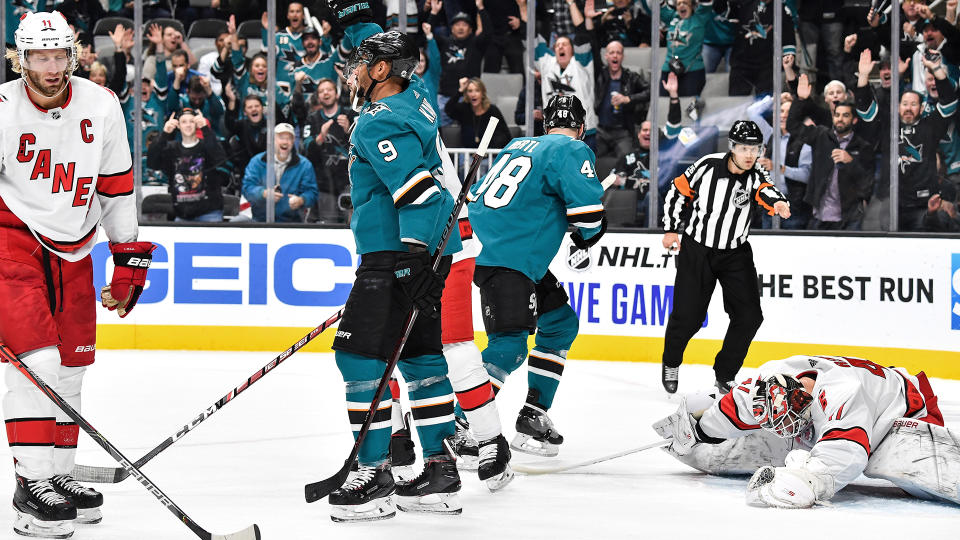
(893,300)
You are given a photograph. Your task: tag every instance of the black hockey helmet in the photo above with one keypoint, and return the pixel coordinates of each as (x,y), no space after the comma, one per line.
(746,132)
(563,111)
(394,47)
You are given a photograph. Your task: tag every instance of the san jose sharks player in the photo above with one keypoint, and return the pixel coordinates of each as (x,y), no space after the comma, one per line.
(520,213)
(400,209)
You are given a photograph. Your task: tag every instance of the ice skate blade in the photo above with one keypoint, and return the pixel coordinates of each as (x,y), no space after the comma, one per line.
(26,525)
(501,480)
(435,503)
(403,473)
(523,443)
(88,516)
(375,510)
(468,463)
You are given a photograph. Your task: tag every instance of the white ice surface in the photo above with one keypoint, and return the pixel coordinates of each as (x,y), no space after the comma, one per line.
(248,463)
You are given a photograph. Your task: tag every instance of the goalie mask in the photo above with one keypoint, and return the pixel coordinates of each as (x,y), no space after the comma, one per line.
(782,406)
(394,47)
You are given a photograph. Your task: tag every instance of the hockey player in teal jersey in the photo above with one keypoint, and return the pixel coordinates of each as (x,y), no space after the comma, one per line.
(520,212)
(400,210)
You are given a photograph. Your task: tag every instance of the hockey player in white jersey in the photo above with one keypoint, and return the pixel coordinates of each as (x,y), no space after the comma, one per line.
(65,170)
(813,424)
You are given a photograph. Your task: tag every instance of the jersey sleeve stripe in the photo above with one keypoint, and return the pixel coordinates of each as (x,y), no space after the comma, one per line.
(415,190)
(760,200)
(729,409)
(585,216)
(115,185)
(855,435)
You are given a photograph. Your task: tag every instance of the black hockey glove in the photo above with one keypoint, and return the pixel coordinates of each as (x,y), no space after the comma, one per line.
(419,281)
(578,240)
(348,12)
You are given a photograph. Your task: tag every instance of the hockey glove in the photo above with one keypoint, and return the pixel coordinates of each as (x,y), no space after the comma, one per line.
(419,281)
(131,261)
(679,426)
(578,240)
(804,482)
(349,12)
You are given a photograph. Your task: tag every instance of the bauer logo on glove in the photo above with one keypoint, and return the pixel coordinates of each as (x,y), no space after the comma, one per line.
(131,261)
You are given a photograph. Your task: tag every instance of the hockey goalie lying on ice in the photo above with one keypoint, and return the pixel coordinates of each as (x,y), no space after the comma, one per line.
(807,426)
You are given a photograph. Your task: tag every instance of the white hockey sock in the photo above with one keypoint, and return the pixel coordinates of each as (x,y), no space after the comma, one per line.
(472,385)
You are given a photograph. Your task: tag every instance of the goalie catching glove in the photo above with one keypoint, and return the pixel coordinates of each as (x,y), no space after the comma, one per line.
(131,261)
(803,482)
(421,283)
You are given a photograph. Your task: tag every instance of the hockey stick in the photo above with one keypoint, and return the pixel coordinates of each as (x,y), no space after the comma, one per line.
(317,490)
(250,533)
(526,469)
(113,475)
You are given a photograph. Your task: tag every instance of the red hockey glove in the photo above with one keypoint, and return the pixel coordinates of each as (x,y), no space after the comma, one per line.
(130,261)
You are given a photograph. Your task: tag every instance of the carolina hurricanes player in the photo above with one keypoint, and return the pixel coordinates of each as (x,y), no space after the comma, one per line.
(837,417)
(65,168)
(477,416)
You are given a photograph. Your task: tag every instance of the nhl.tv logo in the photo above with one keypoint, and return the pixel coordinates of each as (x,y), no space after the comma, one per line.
(955,295)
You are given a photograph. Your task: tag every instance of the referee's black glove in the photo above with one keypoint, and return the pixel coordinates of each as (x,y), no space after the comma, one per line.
(577,237)
(419,281)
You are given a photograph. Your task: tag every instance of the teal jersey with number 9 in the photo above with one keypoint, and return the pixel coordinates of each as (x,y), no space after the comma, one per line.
(537,187)
(394,167)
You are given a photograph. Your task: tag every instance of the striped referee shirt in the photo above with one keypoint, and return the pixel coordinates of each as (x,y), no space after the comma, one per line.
(714,206)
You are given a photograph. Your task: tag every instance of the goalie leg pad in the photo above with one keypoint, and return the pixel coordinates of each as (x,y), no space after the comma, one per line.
(921,458)
(739,456)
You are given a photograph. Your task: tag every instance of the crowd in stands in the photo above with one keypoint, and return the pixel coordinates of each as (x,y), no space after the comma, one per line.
(204,91)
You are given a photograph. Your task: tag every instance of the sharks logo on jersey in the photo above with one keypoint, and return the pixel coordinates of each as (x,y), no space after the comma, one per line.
(909,153)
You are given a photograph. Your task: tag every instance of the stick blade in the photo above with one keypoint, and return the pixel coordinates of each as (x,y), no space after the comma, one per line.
(318,490)
(99,475)
(250,533)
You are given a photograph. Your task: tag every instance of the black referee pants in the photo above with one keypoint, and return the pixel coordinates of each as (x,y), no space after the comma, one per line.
(699,268)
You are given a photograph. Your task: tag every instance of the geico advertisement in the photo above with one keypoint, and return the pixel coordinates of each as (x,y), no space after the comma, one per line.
(885,292)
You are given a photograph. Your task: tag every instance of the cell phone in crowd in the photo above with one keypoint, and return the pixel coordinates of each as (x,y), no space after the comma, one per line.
(277,189)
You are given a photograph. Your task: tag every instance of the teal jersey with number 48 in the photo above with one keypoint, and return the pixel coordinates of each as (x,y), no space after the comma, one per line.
(537,187)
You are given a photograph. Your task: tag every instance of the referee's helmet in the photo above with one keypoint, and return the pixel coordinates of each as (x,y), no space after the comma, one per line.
(746,132)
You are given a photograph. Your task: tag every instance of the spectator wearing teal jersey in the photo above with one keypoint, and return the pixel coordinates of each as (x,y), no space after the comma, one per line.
(289,41)
(686,27)
(718,41)
(253,81)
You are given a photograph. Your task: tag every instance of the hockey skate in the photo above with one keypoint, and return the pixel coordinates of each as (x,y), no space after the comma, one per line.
(725,386)
(42,512)
(495,463)
(669,377)
(367,496)
(536,434)
(435,490)
(86,500)
(402,452)
(463,446)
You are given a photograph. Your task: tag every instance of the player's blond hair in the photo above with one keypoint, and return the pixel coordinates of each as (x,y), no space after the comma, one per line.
(14,58)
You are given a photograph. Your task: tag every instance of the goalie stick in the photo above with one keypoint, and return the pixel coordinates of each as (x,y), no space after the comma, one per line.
(526,469)
(317,490)
(250,533)
(113,475)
